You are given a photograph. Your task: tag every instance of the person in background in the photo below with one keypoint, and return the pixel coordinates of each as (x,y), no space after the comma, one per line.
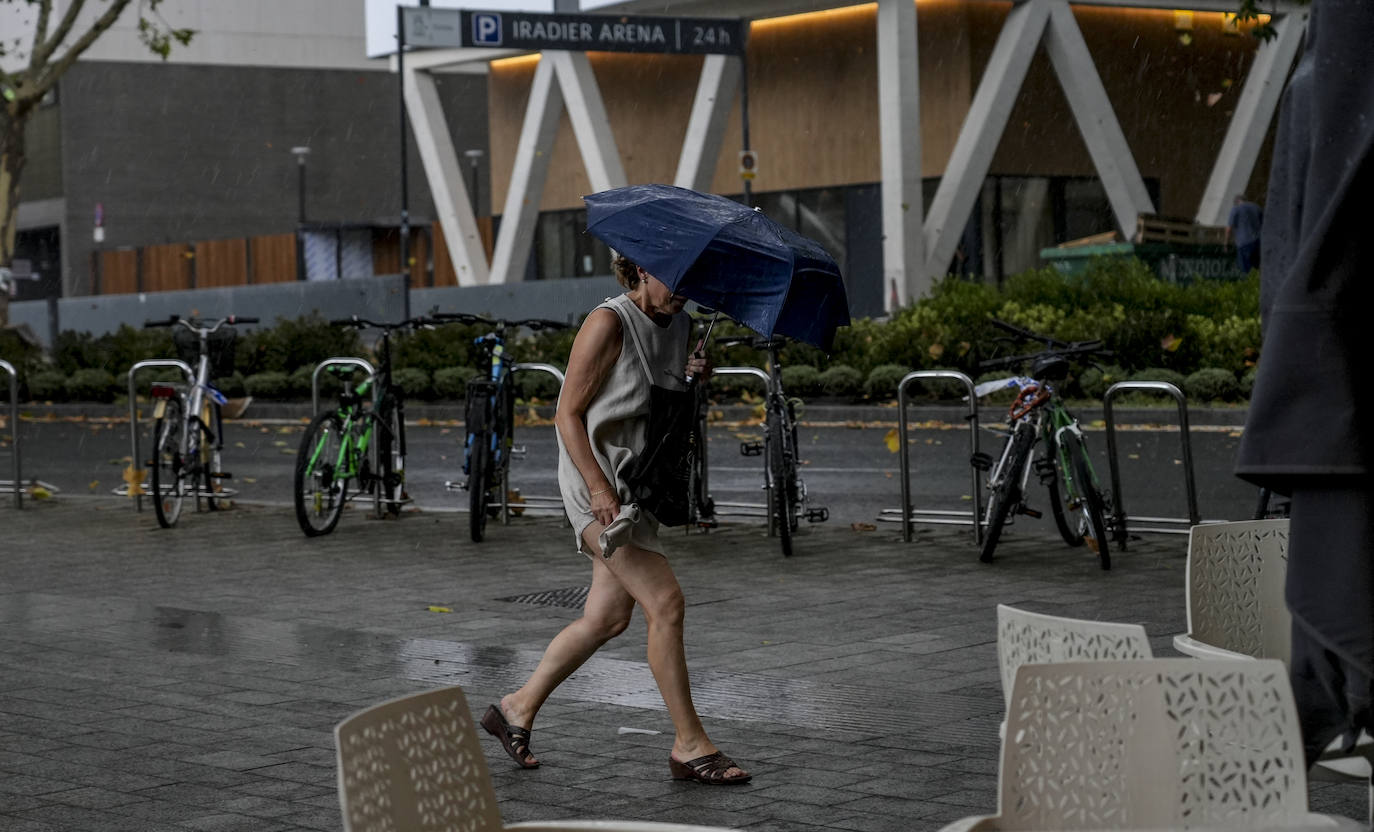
(1243,228)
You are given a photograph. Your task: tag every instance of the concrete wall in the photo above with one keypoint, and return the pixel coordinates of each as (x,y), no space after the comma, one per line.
(378,298)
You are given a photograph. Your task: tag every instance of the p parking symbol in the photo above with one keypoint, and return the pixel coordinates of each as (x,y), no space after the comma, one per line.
(486,29)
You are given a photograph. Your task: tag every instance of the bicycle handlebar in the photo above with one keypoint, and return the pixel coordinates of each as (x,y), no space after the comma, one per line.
(496,323)
(1078,350)
(200,324)
(1030,336)
(757,342)
(362,323)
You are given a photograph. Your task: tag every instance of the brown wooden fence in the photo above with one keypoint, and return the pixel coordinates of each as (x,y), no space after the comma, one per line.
(248,261)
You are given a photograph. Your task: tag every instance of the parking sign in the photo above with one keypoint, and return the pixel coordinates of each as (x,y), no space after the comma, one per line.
(486,29)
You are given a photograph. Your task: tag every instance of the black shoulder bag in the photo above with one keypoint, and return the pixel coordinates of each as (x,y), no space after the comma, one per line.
(659,478)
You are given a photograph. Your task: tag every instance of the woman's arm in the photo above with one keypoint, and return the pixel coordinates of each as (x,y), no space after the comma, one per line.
(594,353)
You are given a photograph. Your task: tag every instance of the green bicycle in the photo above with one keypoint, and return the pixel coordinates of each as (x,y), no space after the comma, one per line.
(1080,507)
(358,447)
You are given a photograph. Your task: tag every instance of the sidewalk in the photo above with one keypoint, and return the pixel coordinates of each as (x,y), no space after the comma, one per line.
(190,679)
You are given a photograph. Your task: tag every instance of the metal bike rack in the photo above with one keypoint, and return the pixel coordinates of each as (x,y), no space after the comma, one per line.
(18,482)
(533,501)
(360,363)
(737,509)
(1118,507)
(123,491)
(906,515)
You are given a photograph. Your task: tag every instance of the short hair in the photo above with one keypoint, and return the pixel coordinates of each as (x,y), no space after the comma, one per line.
(626,271)
(1240,198)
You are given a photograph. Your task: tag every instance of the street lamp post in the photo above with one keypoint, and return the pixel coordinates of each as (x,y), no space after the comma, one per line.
(301,152)
(474,155)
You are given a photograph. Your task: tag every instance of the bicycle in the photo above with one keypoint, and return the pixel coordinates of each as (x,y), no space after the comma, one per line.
(335,449)
(787,495)
(490,418)
(188,427)
(1036,415)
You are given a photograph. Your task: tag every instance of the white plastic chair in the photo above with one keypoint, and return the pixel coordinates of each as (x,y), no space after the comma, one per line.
(1152,745)
(415,764)
(1235,582)
(1031,637)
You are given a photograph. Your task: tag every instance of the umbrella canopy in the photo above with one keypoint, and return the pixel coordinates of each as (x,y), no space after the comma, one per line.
(726,256)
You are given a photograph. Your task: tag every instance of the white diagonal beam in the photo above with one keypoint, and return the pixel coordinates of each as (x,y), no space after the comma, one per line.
(446,185)
(716,90)
(590,124)
(531,171)
(1250,124)
(982,130)
(899,117)
(1097,121)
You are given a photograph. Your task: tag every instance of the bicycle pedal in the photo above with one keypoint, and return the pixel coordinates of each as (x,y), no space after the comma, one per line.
(751,449)
(1030,512)
(1045,470)
(817,515)
(450,485)
(518,451)
(981,461)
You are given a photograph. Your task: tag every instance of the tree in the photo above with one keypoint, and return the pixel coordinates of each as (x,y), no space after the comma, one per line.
(50,54)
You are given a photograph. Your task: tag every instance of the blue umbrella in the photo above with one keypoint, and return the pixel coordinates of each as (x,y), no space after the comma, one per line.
(725,256)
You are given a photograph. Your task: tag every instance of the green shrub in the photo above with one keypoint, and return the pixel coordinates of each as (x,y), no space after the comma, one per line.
(882,381)
(842,381)
(292,344)
(803,381)
(272,385)
(413,382)
(450,345)
(231,385)
(1212,384)
(47,385)
(114,352)
(530,384)
(1247,382)
(1094,381)
(451,383)
(1173,377)
(91,385)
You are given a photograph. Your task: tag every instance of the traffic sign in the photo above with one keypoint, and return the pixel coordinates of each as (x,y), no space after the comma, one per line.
(748,164)
(431,27)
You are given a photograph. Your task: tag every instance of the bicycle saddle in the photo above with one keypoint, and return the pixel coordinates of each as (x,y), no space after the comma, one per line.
(1050,368)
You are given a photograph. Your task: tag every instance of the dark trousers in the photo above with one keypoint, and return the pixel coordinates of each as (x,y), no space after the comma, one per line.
(1247,257)
(1330,591)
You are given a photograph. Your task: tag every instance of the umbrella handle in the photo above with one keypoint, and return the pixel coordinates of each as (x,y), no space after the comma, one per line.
(701,345)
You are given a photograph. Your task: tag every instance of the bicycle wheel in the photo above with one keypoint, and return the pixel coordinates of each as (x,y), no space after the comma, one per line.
(320,489)
(393,463)
(782,464)
(169,472)
(1006,495)
(1060,497)
(478,476)
(211,464)
(1089,500)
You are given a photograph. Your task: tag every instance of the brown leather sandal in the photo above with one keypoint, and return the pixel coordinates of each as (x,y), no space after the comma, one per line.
(515,740)
(709,769)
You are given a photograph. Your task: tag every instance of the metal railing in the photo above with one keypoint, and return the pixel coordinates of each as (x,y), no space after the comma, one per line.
(906,515)
(531,501)
(18,483)
(1170,525)
(133,417)
(340,361)
(735,508)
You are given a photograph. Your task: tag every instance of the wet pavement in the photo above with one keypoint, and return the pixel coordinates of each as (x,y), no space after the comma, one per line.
(190,679)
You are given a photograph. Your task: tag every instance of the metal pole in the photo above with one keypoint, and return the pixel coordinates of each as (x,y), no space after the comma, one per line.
(133,411)
(405,190)
(14,432)
(744,113)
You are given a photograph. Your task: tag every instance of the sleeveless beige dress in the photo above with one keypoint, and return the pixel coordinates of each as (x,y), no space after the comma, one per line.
(618,415)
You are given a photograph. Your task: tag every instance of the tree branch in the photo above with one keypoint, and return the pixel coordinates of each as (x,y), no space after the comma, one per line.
(41,31)
(44,82)
(43,51)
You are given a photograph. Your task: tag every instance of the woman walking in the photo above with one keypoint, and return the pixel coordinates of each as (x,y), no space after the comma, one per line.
(625,346)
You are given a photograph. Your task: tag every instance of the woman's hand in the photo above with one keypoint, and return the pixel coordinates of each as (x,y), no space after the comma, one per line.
(605,504)
(698,366)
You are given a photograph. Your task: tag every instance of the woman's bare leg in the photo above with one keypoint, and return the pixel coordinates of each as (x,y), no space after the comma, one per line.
(648,578)
(605,615)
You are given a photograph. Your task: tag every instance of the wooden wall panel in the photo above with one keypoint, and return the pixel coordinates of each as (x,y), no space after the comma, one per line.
(386,253)
(444,274)
(813,105)
(273,258)
(166,268)
(118,272)
(221,263)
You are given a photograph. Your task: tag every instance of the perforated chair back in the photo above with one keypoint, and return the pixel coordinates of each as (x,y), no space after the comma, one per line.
(1235,580)
(415,764)
(1024,637)
(1156,744)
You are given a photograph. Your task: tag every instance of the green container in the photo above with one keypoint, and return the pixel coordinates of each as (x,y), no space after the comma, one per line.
(1179,263)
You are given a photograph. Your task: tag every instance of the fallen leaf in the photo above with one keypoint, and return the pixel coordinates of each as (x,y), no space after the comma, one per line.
(134,477)
(285,429)
(893,443)
(94,484)
(863,527)
(433,608)
(936,350)
(250,480)
(1169,343)
(38,492)
(1213,98)
(966,498)
(289,451)
(239,445)
(279,444)
(1133,456)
